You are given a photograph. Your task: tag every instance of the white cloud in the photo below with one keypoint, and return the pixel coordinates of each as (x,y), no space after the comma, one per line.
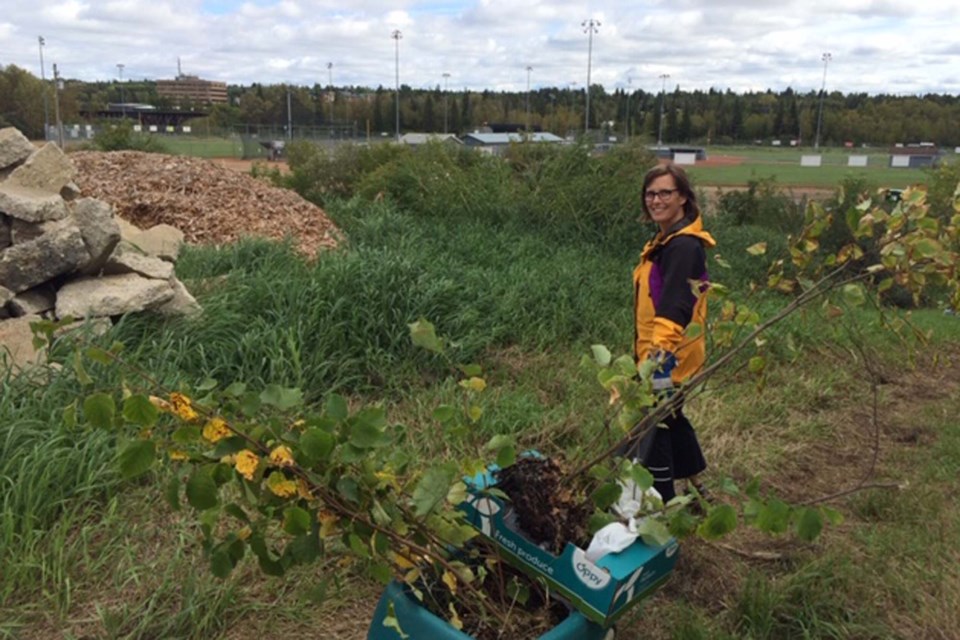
(488,43)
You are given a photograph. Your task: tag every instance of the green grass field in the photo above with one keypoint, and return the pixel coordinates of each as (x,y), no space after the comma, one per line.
(203,147)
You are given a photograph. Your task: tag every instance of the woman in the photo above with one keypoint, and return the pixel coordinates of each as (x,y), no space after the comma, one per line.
(665,305)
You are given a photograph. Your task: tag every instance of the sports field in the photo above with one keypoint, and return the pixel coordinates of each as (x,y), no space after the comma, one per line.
(731,166)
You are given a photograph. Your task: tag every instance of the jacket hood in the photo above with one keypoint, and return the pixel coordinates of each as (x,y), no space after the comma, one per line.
(685,227)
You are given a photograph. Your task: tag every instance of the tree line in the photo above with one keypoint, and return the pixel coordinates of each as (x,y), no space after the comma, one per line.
(711,116)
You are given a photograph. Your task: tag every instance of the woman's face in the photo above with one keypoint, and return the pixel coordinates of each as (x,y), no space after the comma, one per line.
(664,201)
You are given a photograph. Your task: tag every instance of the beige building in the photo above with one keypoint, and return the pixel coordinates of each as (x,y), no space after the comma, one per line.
(192,89)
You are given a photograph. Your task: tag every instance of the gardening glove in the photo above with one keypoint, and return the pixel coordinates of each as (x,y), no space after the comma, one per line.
(662,380)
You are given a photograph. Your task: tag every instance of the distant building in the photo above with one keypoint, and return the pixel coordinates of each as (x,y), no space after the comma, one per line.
(417,139)
(914,156)
(192,89)
(496,142)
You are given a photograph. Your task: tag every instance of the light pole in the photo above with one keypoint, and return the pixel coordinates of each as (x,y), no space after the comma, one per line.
(826,57)
(626,125)
(43,81)
(333,96)
(590,27)
(446,76)
(527,125)
(56,103)
(663,95)
(396,35)
(123,105)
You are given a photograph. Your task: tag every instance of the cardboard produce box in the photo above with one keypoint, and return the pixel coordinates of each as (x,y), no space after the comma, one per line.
(601,591)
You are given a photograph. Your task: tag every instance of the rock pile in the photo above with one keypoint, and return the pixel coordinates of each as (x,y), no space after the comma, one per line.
(64,255)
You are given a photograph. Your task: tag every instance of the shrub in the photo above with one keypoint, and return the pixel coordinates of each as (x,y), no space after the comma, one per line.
(763,204)
(122,137)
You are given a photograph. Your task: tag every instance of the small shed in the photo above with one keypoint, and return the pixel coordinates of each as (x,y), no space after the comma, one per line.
(914,157)
(496,142)
(417,139)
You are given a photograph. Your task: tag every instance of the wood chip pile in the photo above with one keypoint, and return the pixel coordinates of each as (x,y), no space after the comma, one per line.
(208,202)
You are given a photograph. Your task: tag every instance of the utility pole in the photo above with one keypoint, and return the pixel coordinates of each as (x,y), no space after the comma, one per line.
(123,104)
(826,57)
(446,76)
(289,116)
(663,95)
(590,27)
(333,95)
(527,125)
(626,125)
(396,35)
(56,104)
(43,81)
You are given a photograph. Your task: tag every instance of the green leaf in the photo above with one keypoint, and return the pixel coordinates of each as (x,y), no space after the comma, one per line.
(70,415)
(140,411)
(471,370)
(601,355)
(853,294)
(186,434)
(236,389)
(433,487)
(82,376)
(606,495)
(506,456)
(653,531)
(201,489)
(304,549)
(424,335)
(599,520)
(208,384)
(315,446)
(98,355)
(221,564)
(282,398)
(757,364)
(366,430)
(718,523)
(136,458)
(336,407)
(99,409)
(358,546)
(444,413)
(171,492)
(349,489)
(833,516)
(773,517)
(296,520)
(809,524)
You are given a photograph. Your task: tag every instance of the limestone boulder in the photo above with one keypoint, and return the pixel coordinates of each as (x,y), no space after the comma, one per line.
(111,296)
(33,301)
(162,241)
(99,229)
(127,259)
(16,343)
(31,205)
(24,266)
(182,303)
(14,147)
(47,169)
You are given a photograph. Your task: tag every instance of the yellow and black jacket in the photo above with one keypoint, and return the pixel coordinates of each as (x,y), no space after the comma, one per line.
(665,304)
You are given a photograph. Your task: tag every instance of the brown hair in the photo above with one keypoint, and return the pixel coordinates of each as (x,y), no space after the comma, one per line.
(691,210)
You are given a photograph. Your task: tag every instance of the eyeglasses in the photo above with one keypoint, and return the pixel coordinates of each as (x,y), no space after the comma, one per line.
(663,194)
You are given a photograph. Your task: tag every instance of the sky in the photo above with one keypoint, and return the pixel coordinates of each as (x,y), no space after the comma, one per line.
(900,47)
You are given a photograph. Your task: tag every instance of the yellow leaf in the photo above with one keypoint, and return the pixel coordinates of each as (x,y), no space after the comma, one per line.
(244,533)
(181,405)
(455,621)
(475,413)
(474,384)
(757,249)
(281,486)
(176,454)
(246,463)
(215,430)
(328,524)
(282,456)
(402,562)
(451,581)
